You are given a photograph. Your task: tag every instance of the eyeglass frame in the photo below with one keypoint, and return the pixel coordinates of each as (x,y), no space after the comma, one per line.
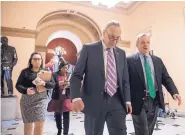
(113,38)
(36,59)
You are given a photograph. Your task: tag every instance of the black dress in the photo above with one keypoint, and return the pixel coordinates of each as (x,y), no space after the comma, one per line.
(33,107)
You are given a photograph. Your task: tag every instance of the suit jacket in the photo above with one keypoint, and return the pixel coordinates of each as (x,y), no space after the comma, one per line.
(137,82)
(91,64)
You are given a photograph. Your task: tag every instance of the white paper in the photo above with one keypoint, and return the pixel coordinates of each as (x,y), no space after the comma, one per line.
(64,92)
(69,78)
(36,81)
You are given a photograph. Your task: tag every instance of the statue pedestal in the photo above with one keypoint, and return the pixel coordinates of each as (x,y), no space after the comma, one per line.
(8,108)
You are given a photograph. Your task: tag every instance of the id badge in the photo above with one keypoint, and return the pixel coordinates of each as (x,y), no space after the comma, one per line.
(64,92)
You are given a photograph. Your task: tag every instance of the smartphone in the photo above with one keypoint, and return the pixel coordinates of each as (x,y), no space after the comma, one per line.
(32,88)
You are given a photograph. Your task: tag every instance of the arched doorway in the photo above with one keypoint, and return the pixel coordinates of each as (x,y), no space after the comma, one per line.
(69,47)
(79,24)
(67,35)
(65,20)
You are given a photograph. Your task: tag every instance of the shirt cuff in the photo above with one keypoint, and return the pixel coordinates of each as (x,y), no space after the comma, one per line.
(44,84)
(174,95)
(128,102)
(76,99)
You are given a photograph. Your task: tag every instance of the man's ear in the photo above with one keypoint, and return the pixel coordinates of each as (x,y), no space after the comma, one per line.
(137,45)
(103,32)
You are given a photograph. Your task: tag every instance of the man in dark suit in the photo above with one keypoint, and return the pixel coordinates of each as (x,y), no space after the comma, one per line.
(147,74)
(105,93)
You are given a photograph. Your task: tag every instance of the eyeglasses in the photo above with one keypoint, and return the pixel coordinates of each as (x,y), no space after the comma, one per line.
(35,59)
(112,38)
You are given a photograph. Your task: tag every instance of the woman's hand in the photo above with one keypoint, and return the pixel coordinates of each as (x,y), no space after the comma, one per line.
(41,83)
(67,84)
(30,91)
(61,84)
(40,86)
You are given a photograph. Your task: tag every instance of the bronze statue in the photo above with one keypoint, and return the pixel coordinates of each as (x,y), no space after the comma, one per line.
(8,61)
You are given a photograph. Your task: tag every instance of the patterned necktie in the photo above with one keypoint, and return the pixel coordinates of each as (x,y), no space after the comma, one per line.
(111,78)
(149,79)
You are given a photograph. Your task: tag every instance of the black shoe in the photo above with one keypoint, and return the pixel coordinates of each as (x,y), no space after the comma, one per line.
(2,93)
(65,132)
(59,132)
(10,94)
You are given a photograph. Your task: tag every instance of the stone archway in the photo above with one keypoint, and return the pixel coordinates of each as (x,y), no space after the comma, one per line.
(67,35)
(81,25)
(65,20)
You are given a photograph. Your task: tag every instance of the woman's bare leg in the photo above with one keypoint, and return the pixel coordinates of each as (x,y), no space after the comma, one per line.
(28,128)
(39,126)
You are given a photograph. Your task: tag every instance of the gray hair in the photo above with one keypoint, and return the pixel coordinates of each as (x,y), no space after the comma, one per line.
(110,23)
(140,36)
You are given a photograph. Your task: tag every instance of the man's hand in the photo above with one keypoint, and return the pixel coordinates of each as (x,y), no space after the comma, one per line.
(177,98)
(129,108)
(77,106)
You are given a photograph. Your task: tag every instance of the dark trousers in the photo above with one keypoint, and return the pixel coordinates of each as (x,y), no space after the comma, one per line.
(145,122)
(7,74)
(112,113)
(58,119)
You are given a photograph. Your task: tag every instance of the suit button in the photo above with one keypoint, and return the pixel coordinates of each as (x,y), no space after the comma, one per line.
(102,93)
(143,98)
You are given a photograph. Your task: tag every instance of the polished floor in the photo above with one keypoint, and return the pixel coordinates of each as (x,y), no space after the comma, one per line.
(166,126)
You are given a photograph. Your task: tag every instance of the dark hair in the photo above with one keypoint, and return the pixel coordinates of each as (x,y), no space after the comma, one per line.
(4,40)
(62,64)
(30,66)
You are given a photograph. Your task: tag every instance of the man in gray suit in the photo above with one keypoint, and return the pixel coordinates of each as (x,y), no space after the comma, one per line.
(147,74)
(105,93)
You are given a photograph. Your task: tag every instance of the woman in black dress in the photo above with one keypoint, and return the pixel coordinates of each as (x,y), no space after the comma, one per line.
(33,102)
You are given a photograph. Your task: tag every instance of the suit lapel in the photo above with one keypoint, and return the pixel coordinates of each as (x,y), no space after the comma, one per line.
(100,57)
(117,60)
(139,67)
(155,68)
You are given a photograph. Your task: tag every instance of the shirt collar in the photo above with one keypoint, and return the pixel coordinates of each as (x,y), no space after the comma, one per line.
(148,55)
(104,46)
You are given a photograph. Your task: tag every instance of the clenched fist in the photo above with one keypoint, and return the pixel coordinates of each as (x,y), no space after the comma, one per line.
(77,106)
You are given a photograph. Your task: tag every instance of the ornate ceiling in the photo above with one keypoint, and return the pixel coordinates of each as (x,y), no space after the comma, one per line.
(121,7)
